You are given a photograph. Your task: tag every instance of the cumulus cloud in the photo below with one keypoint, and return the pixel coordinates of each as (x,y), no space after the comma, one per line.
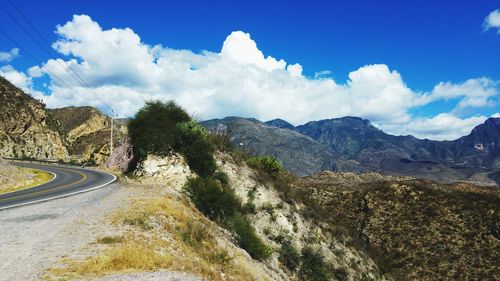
(9,56)
(473,93)
(20,80)
(237,80)
(444,126)
(492,21)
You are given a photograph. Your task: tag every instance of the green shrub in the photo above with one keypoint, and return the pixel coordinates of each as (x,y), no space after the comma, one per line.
(221,142)
(313,266)
(289,256)
(212,198)
(222,177)
(249,208)
(266,164)
(161,127)
(199,157)
(247,237)
(191,131)
(154,129)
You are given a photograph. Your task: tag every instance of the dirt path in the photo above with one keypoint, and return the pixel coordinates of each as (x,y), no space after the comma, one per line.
(35,237)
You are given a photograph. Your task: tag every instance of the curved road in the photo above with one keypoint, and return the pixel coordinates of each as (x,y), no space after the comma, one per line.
(68,181)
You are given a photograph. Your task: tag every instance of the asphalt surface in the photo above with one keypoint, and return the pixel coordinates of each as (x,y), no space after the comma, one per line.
(67,181)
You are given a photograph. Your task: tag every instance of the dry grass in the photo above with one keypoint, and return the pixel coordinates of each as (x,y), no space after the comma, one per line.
(17,178)
(165,232)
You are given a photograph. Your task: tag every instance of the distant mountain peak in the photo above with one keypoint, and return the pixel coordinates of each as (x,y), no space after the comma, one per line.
(280,123)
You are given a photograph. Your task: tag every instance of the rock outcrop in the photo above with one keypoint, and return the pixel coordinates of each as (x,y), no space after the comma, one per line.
(86,133)
(26,126)
(28,129)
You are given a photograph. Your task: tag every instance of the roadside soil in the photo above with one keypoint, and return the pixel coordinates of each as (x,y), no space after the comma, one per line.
(34,238)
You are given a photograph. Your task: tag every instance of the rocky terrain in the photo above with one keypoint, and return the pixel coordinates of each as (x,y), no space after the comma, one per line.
(298,153)
(86,132)
(28,129)
(414,229)
(163,218)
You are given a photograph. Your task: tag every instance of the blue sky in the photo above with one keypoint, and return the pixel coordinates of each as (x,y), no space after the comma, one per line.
(424,43)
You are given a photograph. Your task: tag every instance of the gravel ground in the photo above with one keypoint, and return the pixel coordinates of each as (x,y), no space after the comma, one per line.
(36,237)
(151,276)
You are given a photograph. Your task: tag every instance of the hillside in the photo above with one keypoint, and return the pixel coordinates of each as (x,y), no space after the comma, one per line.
(28,129)
(415,229)
(298,153)
(86,132)
(26,126)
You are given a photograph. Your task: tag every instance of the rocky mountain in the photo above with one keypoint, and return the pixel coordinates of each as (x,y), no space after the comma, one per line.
(354,136)
(26,128)
(298,153)
(354,144)
(481,148)
(86,132)
(463,159)
(29,129)
(280,123)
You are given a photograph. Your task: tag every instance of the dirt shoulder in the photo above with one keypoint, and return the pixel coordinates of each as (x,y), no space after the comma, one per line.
(35,237)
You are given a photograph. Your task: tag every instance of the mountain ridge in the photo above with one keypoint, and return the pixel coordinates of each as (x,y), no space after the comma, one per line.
(355,145)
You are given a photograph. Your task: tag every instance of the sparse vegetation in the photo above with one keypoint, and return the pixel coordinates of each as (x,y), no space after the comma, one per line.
(16,178)
(218,202)
(379,216)
(160,128)
(110,240)
(289,255)
(265,164)
(313,266)
(190,246)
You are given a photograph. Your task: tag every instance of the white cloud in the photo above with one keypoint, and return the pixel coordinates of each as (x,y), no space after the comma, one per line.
(239,80)
(322,73)
(240,48)
(492,21)
(19,79)
(496,115)
(443,126)
(9,56)
(473,93)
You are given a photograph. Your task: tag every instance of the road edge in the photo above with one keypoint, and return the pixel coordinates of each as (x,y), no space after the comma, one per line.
(62,195)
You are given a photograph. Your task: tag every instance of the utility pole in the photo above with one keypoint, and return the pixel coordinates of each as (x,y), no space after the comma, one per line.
(111,141)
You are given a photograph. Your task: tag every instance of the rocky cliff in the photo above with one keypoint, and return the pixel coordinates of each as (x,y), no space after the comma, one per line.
(86,132)
(26,128)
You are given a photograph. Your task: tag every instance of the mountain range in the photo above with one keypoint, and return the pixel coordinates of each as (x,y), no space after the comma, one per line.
(348,144)
(353,144)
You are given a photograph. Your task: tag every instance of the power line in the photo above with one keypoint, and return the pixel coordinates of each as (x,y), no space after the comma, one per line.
(38,61)
(74,74)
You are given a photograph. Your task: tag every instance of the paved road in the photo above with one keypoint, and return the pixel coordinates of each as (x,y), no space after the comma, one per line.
(67,181)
